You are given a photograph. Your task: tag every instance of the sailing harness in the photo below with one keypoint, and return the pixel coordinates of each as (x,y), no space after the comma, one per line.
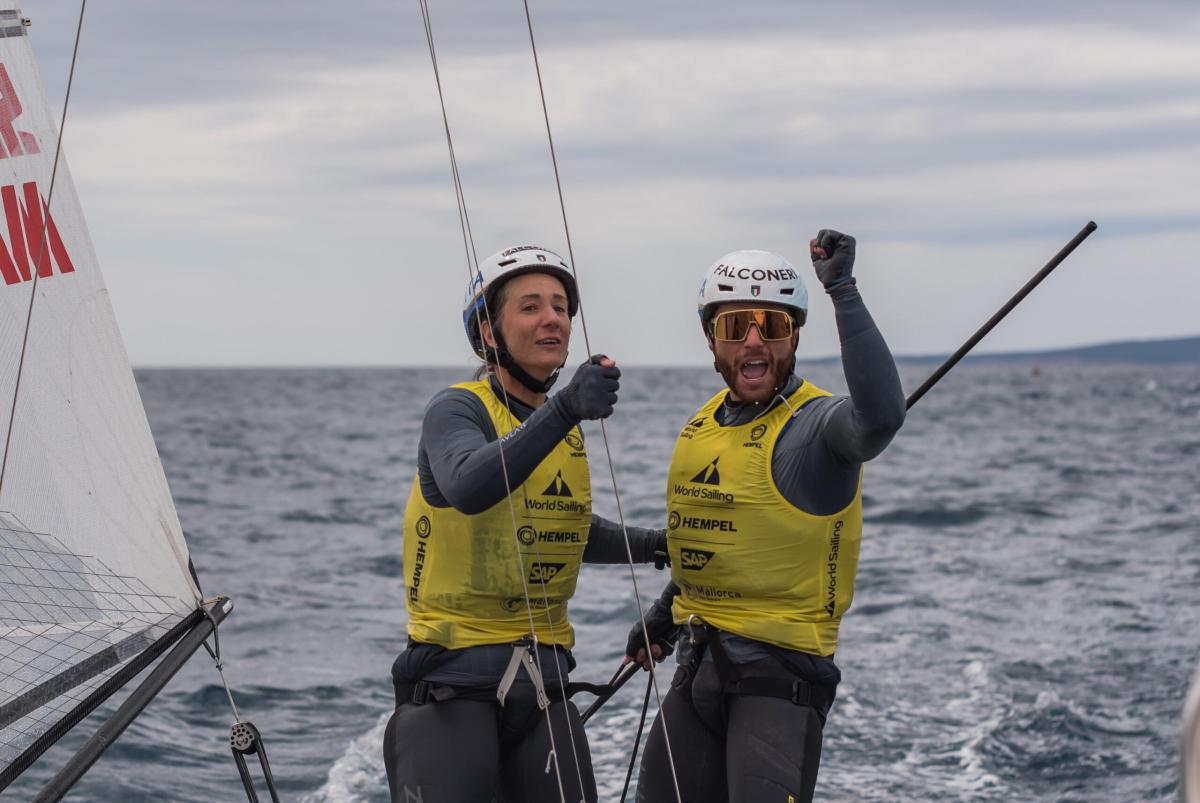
(524,654)
(703,636)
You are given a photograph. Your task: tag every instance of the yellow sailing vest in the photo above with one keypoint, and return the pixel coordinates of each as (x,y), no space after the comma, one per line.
(746,560)
(467,575)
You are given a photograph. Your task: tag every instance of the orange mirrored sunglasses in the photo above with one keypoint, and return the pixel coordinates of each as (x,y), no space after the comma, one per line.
(734,325)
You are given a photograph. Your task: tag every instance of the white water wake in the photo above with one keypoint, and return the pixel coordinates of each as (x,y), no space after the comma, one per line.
(358,775)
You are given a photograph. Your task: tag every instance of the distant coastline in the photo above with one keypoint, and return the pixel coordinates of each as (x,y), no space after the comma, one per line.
(1168,351)
(1145,352)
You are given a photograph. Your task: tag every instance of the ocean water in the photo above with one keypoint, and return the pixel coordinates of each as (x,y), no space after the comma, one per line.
(1026,623)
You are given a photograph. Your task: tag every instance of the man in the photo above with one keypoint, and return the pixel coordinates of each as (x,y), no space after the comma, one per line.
(764,505)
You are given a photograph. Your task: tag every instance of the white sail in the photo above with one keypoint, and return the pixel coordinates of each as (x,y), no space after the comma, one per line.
(1189,786)
(93,563)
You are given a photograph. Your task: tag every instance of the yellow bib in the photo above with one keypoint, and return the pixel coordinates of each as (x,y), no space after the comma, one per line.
(467,575)
(746,560)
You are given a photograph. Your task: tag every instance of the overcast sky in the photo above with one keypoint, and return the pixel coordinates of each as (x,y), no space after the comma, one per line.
(268,183)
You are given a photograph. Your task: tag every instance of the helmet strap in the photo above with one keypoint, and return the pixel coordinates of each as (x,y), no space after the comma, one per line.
(500,356)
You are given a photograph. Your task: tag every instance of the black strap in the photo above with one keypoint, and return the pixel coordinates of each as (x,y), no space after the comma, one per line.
(726,671)
(421,692)
(797,691)
(596,689)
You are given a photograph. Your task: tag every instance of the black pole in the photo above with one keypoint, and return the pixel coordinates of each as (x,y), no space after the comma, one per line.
(622,678)
(138,699)
(999,316)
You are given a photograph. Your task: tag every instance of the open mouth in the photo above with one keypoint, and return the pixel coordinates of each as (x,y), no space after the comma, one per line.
(753,370)
(549,341)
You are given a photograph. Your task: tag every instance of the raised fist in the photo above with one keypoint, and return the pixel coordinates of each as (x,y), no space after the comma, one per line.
(832,255)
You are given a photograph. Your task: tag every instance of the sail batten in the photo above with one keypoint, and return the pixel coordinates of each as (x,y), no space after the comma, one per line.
(94,568)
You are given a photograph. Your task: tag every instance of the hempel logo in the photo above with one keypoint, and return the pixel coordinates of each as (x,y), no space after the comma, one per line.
(756,434)
(527,535)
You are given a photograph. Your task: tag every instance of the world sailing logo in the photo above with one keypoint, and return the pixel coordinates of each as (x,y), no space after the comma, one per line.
(557,487)
(32,236)
(707,476)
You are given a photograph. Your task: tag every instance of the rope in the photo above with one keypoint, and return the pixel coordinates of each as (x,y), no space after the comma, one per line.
(603,429)
(215,652)
(637,740)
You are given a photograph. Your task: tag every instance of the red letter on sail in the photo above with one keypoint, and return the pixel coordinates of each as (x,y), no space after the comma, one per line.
(15,143)
(31,235)
(41,232)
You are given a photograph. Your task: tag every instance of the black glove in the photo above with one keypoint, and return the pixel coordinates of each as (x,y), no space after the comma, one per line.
(662,557)
(833,256)
(662,628)
(592,392)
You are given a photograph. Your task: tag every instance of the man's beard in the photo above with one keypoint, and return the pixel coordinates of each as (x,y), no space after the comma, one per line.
(779,372)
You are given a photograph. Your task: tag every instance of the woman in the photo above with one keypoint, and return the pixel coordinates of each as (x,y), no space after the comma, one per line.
(497,525)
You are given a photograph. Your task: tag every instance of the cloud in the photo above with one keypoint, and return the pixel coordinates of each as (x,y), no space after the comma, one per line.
(286,163)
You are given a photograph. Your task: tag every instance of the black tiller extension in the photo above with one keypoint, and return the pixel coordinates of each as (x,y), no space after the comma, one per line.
(605,692)
(953,359)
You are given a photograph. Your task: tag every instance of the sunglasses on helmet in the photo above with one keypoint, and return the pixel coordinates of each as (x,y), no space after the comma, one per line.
(734,325)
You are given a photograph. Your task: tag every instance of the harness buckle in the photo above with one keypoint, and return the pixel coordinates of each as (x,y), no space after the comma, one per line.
(801,693)
(523,656)
(420,692)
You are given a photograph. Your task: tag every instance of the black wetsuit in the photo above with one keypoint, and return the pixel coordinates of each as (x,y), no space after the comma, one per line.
(465,748)
(748,748)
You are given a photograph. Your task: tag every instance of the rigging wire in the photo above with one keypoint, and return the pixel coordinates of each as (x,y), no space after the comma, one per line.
(42,241)
(637,740)
(472,272)
(603,429)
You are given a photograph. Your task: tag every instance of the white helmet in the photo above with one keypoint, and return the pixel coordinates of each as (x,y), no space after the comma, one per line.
(498,269)
(752,276)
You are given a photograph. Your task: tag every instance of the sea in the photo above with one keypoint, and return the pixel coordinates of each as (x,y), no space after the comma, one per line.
(1025,627)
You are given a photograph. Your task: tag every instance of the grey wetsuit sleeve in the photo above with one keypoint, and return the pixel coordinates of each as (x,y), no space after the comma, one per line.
(861,429)
(459,442)
(818,456)
(607,545)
